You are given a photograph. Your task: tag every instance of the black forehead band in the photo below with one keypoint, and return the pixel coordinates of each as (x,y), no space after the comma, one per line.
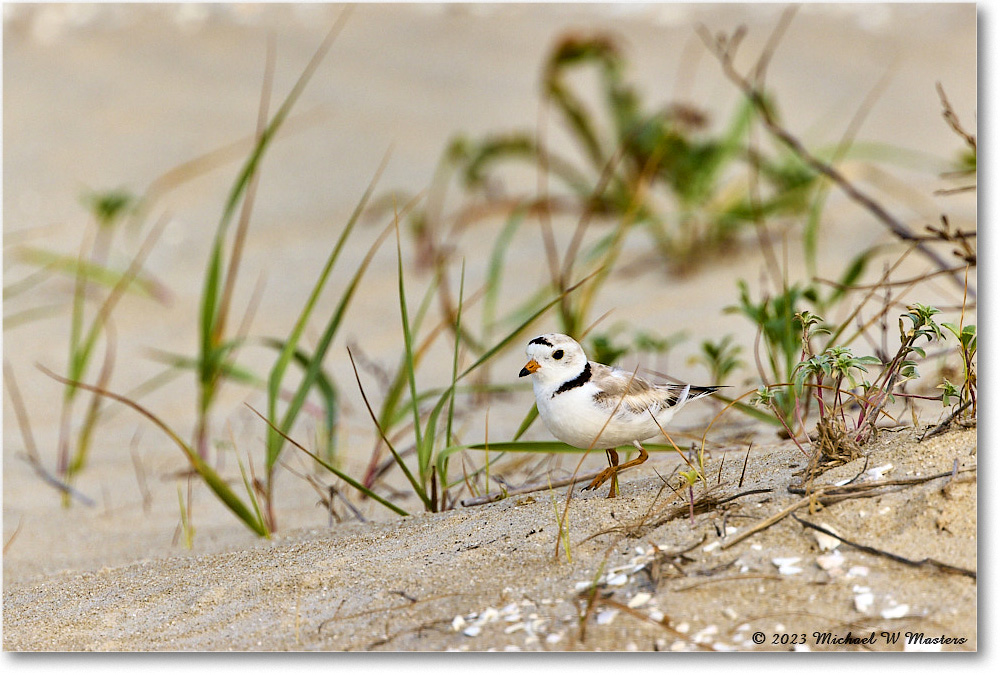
(540,341)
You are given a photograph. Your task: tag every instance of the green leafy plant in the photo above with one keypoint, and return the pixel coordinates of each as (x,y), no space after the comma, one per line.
(637,150)
(966,337)
(915,324)
(836,364)
(721,358)
(780,328)
(826,375)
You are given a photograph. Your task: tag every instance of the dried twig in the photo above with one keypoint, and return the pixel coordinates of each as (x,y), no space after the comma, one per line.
(747,459)
(846,490)
(724,48)
(764,524)
(890,284)
(944,425)
(952,119)
(829,494)
(7,544)
(706,502)
(944,567)
(531,487)
(31,455)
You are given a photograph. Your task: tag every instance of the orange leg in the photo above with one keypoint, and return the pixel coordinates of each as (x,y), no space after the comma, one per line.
(614,469)
(612,463)
(602,477)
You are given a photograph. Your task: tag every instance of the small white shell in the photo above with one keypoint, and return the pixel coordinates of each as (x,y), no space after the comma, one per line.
(606,616)
(825,541)
(863,602)
(879,471)
(787,565)
(897,612)
(830,560)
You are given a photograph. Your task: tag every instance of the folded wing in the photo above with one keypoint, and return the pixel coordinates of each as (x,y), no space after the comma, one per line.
(638,394)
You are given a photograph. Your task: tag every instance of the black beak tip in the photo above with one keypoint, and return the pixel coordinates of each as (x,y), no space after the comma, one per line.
(524,372)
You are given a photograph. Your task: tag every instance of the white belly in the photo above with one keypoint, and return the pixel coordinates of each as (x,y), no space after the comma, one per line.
(574,418)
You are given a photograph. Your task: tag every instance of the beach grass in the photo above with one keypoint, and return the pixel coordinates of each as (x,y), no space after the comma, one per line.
(808,377)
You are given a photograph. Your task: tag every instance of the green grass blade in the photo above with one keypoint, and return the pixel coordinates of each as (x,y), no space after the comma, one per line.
(430,432)
(339,474)
(209,298)
(315,365)
(274,441)
(390,406)
(409,365)
(324,385)
(529,419)
(210,310)
(95,273)
(494,272)
(203,469)
(185,524)
(553,447)
(454,372)
(489,353)
(417,486)
(251,493)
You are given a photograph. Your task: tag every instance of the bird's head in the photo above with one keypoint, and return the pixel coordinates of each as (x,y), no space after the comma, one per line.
(554,358)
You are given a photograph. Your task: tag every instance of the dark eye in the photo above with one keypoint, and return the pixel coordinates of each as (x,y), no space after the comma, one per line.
(557,354)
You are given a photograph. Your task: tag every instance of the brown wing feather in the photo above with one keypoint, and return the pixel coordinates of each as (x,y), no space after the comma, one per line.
(637,394)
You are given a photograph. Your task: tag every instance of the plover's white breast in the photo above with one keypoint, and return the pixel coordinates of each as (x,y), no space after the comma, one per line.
(577,418)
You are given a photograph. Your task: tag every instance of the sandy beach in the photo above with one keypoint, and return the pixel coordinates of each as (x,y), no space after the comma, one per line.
(104,97)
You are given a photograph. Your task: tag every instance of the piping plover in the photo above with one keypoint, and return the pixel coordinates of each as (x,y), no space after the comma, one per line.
(591,405)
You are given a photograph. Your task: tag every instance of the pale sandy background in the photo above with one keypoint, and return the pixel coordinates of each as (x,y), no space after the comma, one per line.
(101,97)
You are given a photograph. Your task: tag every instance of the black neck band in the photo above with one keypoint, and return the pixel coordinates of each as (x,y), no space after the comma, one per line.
(577,381)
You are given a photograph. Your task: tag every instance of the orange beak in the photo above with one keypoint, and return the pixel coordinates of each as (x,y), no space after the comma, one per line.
(530,367)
